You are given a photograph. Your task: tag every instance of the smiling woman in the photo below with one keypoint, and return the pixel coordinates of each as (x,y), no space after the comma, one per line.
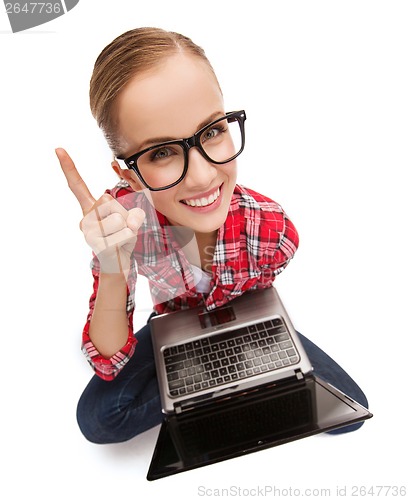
(176,216)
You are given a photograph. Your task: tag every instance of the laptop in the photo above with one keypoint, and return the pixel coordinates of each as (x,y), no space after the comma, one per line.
(236,380)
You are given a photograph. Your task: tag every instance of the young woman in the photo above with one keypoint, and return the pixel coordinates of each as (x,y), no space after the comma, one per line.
(177,216)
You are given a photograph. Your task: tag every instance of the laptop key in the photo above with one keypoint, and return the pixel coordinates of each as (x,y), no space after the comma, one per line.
(175,367)
(286,345)
(176,384)
(174,359)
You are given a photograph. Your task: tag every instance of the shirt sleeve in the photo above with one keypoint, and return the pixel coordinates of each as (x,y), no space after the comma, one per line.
(108,368)
(286,246)
(271,237)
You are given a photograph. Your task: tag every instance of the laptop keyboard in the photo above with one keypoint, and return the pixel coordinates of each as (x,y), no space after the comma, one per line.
(234,355)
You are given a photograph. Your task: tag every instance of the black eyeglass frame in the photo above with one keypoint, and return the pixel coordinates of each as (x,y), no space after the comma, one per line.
(186,145)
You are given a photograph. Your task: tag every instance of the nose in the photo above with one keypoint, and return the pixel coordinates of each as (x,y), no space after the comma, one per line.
(200,173)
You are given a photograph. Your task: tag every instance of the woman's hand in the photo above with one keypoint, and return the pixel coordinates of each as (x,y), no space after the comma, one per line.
(109,229)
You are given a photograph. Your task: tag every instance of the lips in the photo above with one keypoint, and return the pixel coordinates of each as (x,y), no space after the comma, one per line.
(204,200)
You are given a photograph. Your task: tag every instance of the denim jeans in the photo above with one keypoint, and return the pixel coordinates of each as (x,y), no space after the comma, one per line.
(118,410)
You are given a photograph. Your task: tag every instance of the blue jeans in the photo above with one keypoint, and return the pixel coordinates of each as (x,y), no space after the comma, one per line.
(115,411)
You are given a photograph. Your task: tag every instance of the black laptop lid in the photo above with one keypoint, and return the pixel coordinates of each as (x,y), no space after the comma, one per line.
(251,421)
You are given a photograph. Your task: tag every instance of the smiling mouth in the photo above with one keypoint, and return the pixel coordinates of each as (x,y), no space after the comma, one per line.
(203,201)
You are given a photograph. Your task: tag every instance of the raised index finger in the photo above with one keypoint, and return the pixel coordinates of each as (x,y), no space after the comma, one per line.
(75,181)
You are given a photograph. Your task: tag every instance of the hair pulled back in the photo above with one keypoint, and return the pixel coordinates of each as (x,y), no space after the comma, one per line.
(128,55)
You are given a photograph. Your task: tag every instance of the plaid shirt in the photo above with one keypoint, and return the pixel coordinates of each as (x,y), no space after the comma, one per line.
(254,245)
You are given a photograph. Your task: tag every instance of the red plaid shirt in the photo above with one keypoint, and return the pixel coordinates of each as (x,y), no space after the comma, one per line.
(254,245)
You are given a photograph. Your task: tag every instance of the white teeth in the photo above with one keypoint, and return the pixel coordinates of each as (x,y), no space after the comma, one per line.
(203,202)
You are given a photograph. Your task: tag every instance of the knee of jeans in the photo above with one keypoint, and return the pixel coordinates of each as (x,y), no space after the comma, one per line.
(103,424)
(94,423)
(87,423)
(346,428)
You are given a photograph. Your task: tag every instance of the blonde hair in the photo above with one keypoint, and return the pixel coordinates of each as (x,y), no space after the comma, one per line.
(127,55)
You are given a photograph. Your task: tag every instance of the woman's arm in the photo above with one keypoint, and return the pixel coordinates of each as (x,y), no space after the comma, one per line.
(109,326)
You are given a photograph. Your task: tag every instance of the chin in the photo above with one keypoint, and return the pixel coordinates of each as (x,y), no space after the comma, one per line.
(209,223)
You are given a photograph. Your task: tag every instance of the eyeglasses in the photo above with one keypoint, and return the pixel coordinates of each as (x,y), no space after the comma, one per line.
(165,165)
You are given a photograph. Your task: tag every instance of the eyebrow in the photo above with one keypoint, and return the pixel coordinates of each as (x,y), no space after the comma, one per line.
(158,140)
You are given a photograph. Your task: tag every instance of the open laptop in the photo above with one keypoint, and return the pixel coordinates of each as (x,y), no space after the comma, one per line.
(237,380)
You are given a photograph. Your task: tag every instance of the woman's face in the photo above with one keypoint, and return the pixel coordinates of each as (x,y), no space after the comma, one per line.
(173,101)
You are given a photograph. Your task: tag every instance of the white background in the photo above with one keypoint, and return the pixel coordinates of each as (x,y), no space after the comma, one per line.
(324,85)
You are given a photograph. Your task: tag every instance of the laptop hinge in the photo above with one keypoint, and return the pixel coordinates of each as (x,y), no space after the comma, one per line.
(202,401)
(191,404)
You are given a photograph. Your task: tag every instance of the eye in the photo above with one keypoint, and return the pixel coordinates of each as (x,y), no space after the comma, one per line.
(211,133)
(160,154)
(214,132)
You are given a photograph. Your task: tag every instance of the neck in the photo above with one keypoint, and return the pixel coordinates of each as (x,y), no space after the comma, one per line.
(197,247)
(206,245)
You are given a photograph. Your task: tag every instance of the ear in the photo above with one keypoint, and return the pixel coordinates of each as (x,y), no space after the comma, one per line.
(127,175)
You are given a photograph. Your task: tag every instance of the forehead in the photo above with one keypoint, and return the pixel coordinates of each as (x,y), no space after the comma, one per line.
(171,100)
